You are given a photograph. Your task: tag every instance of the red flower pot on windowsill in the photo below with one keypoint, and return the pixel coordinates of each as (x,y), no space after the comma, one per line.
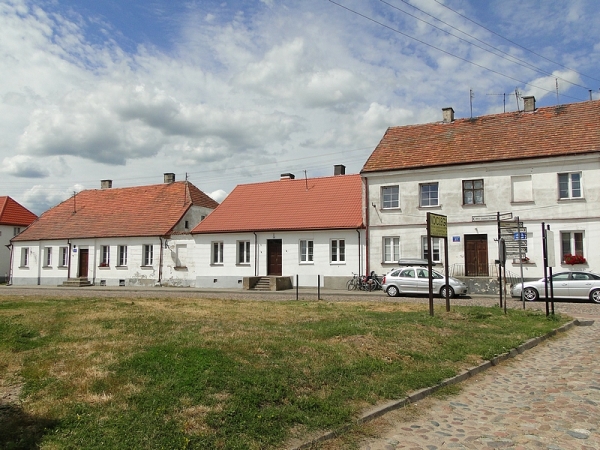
(574,259)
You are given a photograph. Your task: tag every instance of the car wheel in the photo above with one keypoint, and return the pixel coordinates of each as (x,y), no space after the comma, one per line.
(393,291)
(450,292)
(530,294)
(595,296)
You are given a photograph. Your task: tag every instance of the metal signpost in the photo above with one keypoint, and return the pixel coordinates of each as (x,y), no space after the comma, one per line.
(437,226)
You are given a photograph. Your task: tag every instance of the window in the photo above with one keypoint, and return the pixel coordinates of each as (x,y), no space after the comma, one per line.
(306,251)
(64,256)
(522,188)
(472,192)
(243,253)
(391,249)
(16,230)
(25,257)
(47,256)
(436,255)
(390,197)
(569,185)
(429,194)
(338,250)
(181,255)
(571,243)
(148,255)
(122,255)
(104,256)
(217,253)
(186,224)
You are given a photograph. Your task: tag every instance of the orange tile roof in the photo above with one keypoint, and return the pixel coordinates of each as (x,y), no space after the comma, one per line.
(550,131)
(13,213)
(118,212)
(289,205)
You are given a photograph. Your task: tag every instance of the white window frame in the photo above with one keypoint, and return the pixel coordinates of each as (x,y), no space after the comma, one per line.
(216,253)
(390,197)
(576,243)
(25,257)
(16,230)
(64,257)
(47,256)
(337,251)
(437,248)
(306,250)
(390,249)
(243,252)
(430,199)
(104,256)
(122,256)
(570,186)
(148,255)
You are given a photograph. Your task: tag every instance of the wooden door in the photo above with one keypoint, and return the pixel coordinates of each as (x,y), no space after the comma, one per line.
(83,263)
(476,255)
(274,257)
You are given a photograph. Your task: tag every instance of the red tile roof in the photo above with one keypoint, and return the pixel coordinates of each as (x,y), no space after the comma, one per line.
(551,131)
(134,211)
(288,205)
(12,213)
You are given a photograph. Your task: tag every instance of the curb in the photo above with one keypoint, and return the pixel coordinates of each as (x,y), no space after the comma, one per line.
(420,394)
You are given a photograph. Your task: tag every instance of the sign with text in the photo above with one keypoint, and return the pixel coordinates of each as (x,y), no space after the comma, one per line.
(438,225)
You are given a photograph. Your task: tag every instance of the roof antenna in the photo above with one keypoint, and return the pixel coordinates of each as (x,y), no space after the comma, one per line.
(305,180)
(471,95)
(74,201)
(504,96)
(557,100)
(517,96)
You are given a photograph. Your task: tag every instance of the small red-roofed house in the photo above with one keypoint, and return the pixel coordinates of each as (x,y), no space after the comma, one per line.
(14,218)
(280,231)
(541,165)
(113,236)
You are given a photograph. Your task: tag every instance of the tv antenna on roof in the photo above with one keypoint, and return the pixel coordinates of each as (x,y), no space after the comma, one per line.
(471,96)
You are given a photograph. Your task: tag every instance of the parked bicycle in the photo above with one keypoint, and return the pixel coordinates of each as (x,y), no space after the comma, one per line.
(364,283)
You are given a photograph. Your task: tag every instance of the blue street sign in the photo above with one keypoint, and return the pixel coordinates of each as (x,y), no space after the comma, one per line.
(521,237)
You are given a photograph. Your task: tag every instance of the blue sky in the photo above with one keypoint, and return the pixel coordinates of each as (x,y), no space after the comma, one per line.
(231,92)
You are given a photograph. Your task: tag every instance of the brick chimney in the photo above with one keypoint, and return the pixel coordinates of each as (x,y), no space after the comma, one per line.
(339,169)
(105,184)
(287,176)
(169,178)
(448,115)
(529,103)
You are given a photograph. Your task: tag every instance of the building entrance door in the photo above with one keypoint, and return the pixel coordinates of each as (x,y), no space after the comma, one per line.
(476,255)
(83,263)
(274,257)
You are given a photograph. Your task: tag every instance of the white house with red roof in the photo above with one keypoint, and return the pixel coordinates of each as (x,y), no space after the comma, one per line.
(113,236)
(541,165)
(282,231)
(13,219)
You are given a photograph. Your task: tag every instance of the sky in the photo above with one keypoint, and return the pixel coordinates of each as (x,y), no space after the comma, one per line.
(235,92)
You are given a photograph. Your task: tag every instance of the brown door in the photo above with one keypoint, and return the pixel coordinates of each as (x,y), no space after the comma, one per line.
(476,255)
(83,263)
(274,257)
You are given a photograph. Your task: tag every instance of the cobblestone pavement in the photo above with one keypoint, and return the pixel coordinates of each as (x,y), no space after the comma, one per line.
(545,398)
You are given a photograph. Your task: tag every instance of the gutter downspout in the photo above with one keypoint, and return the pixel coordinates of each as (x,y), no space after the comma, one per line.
(9,279)
(69,261)
(359,255)
(160,262)
(255,254)
(367,220)
(40,262)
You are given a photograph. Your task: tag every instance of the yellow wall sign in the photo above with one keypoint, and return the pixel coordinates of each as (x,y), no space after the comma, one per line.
(438,225)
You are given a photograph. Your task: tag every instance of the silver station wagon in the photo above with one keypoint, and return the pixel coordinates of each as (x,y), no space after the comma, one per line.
(415,280)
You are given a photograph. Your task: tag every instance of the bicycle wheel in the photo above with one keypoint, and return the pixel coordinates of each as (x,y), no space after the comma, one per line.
(350,285)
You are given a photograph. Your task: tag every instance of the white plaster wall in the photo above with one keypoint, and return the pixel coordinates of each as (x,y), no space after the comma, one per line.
(6,234)
(409,221)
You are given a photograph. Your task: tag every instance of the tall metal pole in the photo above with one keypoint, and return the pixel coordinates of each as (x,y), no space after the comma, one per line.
(521,261)
(545,249)
(429,264)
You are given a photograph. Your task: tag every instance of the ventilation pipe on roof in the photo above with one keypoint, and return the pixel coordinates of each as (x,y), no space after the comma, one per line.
(105,184)
(339,169)
(529,103)
(287,176)
(448,115)
(169,178)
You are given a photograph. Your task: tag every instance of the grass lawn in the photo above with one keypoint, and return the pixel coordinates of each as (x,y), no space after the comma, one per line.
(209,374)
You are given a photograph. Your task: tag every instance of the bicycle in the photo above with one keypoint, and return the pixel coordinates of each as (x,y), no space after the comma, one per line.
(354,283)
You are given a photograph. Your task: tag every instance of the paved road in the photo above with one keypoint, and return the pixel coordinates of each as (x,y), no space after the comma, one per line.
(545,398)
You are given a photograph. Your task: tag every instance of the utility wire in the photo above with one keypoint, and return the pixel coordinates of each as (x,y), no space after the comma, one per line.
(508,56)
(395,30)
(515,43)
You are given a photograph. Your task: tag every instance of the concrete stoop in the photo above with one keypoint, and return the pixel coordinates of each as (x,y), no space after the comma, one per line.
(420,394)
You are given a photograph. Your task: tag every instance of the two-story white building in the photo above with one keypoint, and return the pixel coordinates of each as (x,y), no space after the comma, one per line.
(113,236)
(540,165)
(13,219)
